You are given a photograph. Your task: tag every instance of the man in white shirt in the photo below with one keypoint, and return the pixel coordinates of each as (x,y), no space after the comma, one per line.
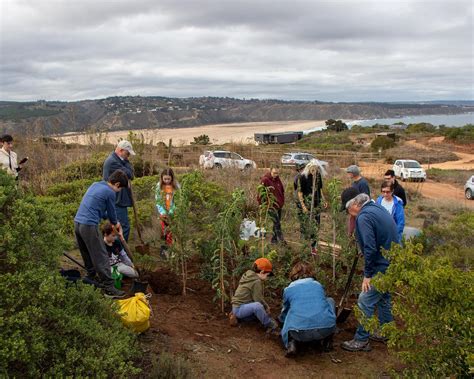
(8,158)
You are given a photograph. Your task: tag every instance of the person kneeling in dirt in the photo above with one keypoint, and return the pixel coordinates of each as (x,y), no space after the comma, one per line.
(307,314)
(248,303)
(117,255)
(98,203)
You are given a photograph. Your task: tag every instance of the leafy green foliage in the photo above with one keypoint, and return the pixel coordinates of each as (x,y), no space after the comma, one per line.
(336,125)
(382,143)
(46,327)
(463,135)
(228,234)
(422,127)
(81,169)
(433,305)
(203,139)
(58,330)
(327,140)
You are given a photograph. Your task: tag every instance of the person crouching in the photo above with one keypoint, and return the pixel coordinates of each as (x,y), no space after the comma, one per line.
(117,255)
(307,314)
(248,302)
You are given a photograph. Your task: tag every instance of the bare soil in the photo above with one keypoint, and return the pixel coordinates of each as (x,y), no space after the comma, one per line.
(193,327)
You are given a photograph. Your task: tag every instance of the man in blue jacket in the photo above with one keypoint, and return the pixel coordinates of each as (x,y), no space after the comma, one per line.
(375,230)
(98,203)
(118,160)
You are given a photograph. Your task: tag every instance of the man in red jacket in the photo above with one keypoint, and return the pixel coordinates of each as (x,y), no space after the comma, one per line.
(272,181)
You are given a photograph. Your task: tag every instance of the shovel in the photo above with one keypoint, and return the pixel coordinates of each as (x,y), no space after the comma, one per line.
(343,313)
(138,285)
(143,248)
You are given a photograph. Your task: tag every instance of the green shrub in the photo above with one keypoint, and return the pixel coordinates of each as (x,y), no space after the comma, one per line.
(382,143)
(434,309)
(48,329)
(169,366)
(203,139)
(422,127)
(464,135)
(90,168)
(144,187)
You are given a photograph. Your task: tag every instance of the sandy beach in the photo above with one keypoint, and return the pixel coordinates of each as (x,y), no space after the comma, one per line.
(218,133)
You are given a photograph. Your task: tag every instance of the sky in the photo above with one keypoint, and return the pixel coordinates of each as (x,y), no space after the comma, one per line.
(335,50)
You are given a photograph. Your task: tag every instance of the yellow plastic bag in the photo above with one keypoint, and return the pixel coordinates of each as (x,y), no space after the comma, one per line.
(135,312)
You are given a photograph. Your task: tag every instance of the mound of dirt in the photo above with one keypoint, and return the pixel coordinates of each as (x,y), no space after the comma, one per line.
(165,281)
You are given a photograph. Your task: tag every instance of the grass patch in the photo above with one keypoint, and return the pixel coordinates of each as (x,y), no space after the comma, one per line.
(458,177)
(424,156)
(324,140)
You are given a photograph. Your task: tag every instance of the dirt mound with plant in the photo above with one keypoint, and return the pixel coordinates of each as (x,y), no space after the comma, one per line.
(164,281)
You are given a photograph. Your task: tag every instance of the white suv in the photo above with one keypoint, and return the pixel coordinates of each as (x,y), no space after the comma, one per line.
(293,159)
(225,159)
(407,169)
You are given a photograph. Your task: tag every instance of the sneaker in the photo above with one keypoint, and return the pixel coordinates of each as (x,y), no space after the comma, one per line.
(378,338)
(354,345)
(114,293)
(233,319)
(272,328)
(291,349)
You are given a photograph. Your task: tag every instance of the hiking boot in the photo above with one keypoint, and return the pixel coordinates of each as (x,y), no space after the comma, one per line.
(114,293)
(291,349)
(378,338)
(233,319)
(354,345)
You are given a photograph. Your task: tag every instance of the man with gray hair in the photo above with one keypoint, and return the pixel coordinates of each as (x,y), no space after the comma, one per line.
(358,182)
(375,230)
(118,160)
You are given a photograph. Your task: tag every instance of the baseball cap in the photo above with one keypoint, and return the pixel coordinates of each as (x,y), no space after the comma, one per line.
(346,195)
(125,145)
(353,169)
(263,264)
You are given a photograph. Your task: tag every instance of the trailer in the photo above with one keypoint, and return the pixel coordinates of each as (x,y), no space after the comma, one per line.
(284,137)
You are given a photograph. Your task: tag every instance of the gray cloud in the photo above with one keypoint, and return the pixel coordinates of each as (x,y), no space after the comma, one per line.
(324,50)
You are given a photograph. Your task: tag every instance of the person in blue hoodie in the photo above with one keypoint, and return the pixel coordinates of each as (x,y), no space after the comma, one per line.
(393,204)
(375,230)
(307,314)
(98,203)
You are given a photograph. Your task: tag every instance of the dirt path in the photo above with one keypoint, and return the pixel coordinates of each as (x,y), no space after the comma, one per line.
(465,161)
(193,326)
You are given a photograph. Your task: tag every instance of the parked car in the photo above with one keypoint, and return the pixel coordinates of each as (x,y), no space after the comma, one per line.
(469,188)
(225,159)
(407,169)
(292,159)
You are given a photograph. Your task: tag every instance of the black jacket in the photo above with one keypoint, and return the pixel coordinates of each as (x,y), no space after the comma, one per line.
(400,192)
(112,163)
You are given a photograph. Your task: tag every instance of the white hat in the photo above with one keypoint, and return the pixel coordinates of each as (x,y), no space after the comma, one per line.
(125,145)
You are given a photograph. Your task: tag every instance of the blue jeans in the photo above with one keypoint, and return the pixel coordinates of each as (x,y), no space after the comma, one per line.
(122,215)
(252,311)
(367,302)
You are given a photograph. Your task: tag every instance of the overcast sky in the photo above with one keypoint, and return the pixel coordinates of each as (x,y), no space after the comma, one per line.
(309,50)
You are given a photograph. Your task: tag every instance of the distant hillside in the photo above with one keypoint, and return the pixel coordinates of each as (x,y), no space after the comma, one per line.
(123,113)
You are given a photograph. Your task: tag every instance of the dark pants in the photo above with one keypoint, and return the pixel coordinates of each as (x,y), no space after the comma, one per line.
(311,334)
(275,216)
(308,228)
(122,215)
(93,252)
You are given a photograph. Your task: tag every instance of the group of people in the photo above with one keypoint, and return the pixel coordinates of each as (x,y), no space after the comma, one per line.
(307,314)
(110,199)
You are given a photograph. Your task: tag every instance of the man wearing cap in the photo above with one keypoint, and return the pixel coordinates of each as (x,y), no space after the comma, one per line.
(118,160)
(358,182)
(375,230)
